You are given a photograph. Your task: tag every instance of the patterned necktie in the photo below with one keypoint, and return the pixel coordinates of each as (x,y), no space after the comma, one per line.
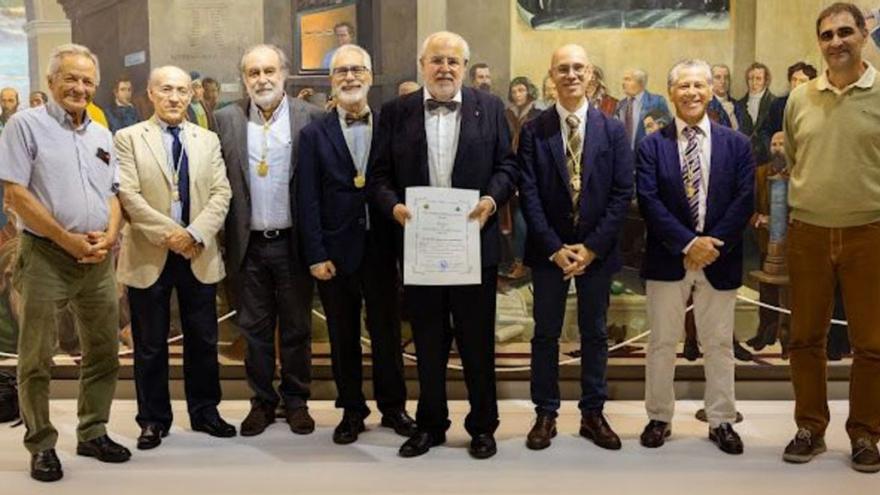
(573,153)
(629,119)
(692,172)
(182,173)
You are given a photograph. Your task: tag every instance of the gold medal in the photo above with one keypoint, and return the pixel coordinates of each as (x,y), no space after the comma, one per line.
(262,168)
(175,195)
(576,183)
(360,181)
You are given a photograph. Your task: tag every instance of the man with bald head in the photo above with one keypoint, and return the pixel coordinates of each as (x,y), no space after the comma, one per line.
(270,284)
(574,220)
(175,194)
(448,136)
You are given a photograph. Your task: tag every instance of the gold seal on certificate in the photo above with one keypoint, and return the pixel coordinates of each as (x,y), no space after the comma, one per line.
(360,181)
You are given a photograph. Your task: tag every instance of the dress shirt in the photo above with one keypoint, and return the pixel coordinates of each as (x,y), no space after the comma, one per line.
(442,127)
(704,140)
(754,105)
(581,114)
(177,206)
(358,138)
(636,102)
(270,195)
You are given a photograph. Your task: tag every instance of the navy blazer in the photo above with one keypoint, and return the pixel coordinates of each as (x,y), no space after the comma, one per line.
(483,160)
(607,178)
(664,205)
(332,210)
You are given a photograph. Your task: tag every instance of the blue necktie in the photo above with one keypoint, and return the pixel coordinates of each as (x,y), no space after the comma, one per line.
(183,173)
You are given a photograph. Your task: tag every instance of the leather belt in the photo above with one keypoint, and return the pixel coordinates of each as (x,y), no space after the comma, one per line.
(270,234)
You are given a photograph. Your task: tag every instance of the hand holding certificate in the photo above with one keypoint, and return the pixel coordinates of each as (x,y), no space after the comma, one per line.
(441,243)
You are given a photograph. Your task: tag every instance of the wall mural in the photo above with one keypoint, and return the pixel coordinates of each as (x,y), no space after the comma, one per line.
(625,14)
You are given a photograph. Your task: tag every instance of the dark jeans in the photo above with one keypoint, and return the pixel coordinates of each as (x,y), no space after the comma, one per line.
(274,294)
(473,327)
(150,322)
(376,282)
(551,292)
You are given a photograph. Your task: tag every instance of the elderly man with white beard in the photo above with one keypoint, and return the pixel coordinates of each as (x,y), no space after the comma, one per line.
(350,249)
(269,281)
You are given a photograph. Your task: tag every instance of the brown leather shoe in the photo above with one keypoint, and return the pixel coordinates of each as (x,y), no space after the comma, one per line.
(803,447)
(258,419)
(595,427)
(540,434)
(655,434)
(300,421)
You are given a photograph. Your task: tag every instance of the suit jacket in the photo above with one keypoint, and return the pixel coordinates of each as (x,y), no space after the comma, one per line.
(650,102)
(483,160)
(719,115)
(332,210)
(664,205)
(607,179)
(145,190)
(756,130)
(232,123)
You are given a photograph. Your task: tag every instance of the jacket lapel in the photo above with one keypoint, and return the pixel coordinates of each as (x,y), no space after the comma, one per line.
(153,137)
(714,172)
(415,132)
(469,131)
(334,130)
(593,146)
(673,164)
(555,145)
(241,136)
(191,147)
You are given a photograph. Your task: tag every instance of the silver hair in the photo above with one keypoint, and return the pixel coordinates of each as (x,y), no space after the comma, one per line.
(641,77)
(368,61)
(68,49)
(285,64)
(466,50)
(154,74)
(691,63)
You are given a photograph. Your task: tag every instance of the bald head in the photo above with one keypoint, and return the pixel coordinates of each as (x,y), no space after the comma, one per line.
(170,90)
(570,70)
(569,50)
(160,74)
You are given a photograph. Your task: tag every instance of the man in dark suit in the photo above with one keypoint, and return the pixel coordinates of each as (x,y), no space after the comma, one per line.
(449,136)
(754,110)
(576,188)
(695,183)
(268,280)
(351,250)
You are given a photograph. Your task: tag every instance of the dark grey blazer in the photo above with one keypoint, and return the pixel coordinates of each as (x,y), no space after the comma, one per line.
(232,128)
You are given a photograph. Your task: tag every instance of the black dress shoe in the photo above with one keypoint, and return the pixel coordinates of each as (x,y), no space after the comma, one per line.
(726,439)
(214,426)
(482,446)
(258,419)
(421,443)
(401,422)
(655,434)
(741,353)
(103,449)
(595,427)
(45,466)
(151,436)
(348,429)
(691,350)
(540,434)
(300,421)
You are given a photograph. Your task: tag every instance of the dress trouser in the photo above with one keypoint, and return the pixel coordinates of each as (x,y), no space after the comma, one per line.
(818,259)
(47,278)
(276,293)
(714,313)
(150,322)
(473,327)
(551,294)
(376,282)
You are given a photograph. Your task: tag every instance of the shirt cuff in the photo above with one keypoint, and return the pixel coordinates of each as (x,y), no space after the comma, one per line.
(195,235)
(688,246)
(494,205)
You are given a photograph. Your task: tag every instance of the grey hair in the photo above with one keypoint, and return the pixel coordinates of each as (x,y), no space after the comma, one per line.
(466,50)
(368,61)
(640,76)
(67,49)
(154,74)
(691,63)
(285,64)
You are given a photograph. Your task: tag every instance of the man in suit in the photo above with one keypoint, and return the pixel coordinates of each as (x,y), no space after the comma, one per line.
(175,194)
(695,183)
(754,110)
(638,103)
(350,250)
(576,188)
(449,136)
(269,281)
(723,108)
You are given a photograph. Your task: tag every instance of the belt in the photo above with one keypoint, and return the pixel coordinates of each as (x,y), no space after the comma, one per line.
(270,234)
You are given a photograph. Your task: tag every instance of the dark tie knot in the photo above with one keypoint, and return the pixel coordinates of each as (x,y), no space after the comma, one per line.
(692,131)
(433,104)
(573,121)
(174,130)
(351,119)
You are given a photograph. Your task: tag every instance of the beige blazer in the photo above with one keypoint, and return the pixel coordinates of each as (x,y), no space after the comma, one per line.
(145,186)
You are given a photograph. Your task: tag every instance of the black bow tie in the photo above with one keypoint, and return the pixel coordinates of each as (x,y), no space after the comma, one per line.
(433,104)
(351,119)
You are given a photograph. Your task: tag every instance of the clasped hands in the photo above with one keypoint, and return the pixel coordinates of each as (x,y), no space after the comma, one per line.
(481,212)
(181,242)
(89,248)
(573,259)
(702,253)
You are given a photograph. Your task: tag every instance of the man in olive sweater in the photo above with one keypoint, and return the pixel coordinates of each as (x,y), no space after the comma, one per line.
(832,141)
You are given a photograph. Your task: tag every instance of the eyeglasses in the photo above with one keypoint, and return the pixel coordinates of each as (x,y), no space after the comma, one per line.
(356,70)
(167,91)
(578,69)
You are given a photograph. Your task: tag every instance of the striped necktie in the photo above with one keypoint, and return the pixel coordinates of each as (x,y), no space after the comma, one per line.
(692,172)
(573,152)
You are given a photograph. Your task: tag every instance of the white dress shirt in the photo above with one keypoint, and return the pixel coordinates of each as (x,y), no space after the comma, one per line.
(168,144)
(442,128)
(358,138)
(581,114)
(270,195)
(754,105)
(704,140)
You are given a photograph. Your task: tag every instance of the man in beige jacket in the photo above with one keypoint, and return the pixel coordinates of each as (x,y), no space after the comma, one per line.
(175,195)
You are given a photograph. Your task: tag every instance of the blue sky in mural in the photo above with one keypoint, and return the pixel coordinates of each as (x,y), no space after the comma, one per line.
(13,47)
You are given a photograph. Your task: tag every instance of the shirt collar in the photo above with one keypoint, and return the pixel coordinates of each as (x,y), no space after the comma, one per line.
(704,126)
(165,125)
(427,96)
(580,113)
(62,117)
(758,96)
(638,98)
(257,114)
(864,82)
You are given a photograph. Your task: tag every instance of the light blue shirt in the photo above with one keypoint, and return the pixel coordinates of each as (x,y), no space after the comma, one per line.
(270,195)
(637,117)
(358,137)
(177,206)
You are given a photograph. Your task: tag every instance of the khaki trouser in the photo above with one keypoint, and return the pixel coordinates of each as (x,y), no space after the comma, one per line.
(48,279)
(818,259)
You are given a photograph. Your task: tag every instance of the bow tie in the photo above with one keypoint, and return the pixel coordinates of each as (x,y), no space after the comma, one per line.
(433,104)
(351,119)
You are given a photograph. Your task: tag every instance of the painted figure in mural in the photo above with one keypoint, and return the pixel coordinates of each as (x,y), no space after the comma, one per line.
(637,103)
(597,92)
(121,113)
(548,94)
(343,33)
(38,98)
(754,109)
(723,108)
(480,76)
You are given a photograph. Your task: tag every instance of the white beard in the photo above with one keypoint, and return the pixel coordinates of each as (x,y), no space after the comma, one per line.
(352,97)
(267,99)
